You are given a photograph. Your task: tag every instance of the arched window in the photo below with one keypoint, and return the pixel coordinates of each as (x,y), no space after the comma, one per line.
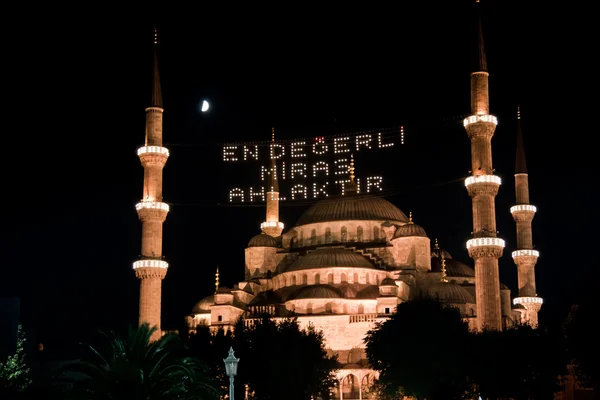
(293,279)
(368,280)
(330,279)
(309,308)
(375,233)
(344,234)
(328,308)
(328,235)
(345,309)
(344,278)
(317,279)
(313,237)
(305,279)
(361,309)
(359,234)
(355,278)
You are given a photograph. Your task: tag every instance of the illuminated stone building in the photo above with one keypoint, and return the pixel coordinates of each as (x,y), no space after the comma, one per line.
(350,260)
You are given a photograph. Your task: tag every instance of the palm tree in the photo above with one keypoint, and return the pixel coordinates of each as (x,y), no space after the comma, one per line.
(137,369)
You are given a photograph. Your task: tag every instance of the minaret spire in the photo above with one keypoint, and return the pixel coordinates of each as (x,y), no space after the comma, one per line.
(525,257)
(520,164)
(480,48)
(485,248)
(151,269)
(272,226)
(156,91)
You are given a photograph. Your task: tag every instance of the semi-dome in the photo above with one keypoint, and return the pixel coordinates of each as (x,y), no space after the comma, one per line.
(447,292)
(318,292)
(330,257)
(203,306)
(352,207)
(263,240)
(454,268)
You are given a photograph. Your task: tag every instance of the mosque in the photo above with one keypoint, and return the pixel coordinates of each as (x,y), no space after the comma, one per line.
(350,260)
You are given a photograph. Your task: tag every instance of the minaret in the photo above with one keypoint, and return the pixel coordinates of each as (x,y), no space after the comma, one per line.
(444,277)
(525,256)
(150,269)
(485,248)
(272,226)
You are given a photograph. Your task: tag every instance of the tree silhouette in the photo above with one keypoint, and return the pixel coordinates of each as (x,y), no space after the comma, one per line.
(582,340)
(519,363)
(136,368)
(278,360)
(422,351)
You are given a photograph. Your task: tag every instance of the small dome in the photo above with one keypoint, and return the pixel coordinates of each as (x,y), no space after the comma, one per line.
(454,268)
(263,240)
(363,207)
(447,292)
(331,257)
(388,282)
(318,292)
(203,306)
(409,230)
(437,252)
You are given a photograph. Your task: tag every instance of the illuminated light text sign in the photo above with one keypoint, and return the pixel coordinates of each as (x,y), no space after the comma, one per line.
(309,168)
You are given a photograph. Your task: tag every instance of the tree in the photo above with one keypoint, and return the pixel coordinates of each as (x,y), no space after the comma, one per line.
(421,351)
(136,368)
(520,362)
(582,340)
(14,371)
(278,360)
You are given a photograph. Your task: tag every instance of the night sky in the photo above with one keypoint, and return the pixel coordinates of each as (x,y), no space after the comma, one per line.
(72,177)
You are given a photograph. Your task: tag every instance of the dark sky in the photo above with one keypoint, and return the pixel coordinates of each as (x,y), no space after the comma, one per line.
(81,85)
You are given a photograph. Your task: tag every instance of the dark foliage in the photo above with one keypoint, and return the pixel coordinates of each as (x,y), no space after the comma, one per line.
(422,350)
(135,368)
(518,363)
(278,360)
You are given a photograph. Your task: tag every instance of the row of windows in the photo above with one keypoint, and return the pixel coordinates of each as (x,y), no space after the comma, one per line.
(343,235)
(343,278)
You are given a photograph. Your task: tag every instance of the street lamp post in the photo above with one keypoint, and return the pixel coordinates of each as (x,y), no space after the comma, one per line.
(231,364)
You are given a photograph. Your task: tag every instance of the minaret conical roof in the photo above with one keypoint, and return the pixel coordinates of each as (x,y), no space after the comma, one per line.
(156,91)
(520,165)
(480,47)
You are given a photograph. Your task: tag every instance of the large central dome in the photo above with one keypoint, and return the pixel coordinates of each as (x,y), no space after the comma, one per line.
(352,207)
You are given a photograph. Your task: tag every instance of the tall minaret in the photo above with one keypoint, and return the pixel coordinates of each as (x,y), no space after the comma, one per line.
(485,248)
(272,226)
(150,269)
(525,256)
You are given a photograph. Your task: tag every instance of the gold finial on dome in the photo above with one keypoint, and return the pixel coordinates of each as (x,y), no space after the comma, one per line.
(444,277)
(437,246)
(155,36)
(518,112)
(410,221)
(272,134)
(352,168)
(217,280)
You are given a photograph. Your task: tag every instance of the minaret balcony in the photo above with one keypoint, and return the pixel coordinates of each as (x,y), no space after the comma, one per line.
(152,210)
(525,258)
(483,184)
(150,269)
(472,119)
(150,264)
(523,207)
(153,155)
(271,224)
(530,303)
(485,247)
